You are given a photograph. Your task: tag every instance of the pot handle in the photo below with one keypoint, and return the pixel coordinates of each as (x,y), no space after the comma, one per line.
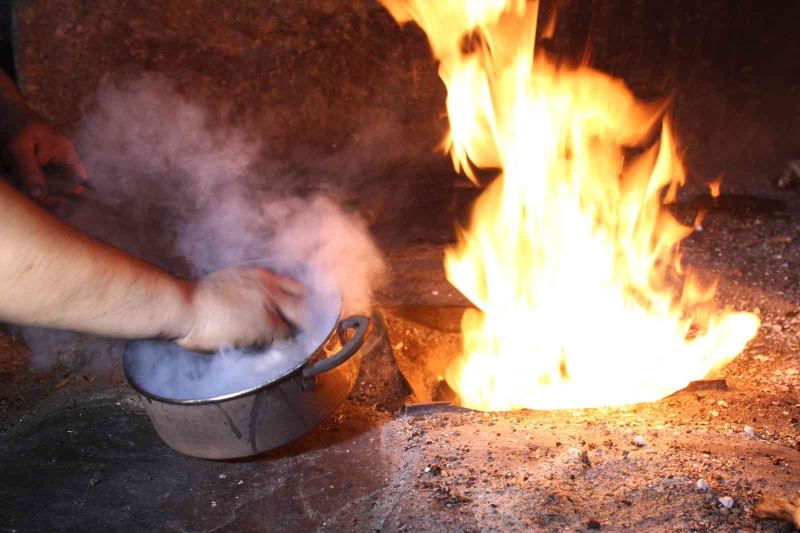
(347,351)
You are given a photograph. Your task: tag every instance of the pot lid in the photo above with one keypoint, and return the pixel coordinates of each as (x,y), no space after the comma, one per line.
(166,371)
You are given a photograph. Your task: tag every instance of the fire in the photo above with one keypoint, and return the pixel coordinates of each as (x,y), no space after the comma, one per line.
(714,187)
(698,220)
(570,258)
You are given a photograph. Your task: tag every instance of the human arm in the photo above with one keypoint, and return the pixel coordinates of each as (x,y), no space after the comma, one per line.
(52,275)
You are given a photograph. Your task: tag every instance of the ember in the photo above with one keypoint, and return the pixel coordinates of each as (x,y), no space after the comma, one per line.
(714,187)
(570,259)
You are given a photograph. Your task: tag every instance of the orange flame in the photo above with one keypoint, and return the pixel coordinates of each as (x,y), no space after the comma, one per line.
(569,258)
(698,220)
(714,187)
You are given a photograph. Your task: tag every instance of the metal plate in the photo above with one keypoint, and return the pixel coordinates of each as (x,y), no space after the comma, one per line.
(165,371)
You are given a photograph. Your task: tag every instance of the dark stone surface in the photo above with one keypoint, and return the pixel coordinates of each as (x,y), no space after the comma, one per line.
(98,465)
(95,464)
(91,461)
(381,383)
(82,461)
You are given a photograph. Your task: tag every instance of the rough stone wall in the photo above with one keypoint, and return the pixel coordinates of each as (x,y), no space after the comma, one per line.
(321,75)
(344,98)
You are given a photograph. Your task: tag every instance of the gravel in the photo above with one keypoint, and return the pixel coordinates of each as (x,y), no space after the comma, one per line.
(726,501)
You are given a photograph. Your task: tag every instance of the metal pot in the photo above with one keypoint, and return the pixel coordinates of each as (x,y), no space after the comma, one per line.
(267,416)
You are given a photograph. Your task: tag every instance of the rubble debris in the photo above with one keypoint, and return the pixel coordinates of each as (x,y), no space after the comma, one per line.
(750,431)
(777,508)
(430,408)
(701,484)
(706,384)
(575,453)
(435,470)
(585,459)
(593,525)
(639,441)
(726,501)
(451,497)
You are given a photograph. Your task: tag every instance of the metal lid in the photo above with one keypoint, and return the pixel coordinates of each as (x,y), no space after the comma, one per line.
(165,371)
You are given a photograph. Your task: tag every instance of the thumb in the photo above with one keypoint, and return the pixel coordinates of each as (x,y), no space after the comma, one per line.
(69,159)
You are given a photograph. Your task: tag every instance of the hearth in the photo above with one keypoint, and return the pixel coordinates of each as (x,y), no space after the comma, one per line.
(346,103)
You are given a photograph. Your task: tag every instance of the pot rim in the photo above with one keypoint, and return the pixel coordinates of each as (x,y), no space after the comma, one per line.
(289,374)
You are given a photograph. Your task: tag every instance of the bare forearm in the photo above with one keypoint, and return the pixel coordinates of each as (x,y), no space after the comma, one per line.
(51,275)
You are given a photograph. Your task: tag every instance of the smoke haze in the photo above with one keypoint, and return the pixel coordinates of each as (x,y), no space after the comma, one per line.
(183,195)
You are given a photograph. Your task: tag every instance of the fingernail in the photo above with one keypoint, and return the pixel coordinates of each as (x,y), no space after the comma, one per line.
(36,192)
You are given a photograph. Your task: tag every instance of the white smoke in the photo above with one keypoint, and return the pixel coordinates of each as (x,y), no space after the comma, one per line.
(165,369)
(186,196)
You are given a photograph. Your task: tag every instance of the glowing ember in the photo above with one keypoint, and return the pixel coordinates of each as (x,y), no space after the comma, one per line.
(569,258)
(714,187)
(698,220)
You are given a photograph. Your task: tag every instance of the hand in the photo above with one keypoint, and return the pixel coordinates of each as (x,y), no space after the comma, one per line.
(32,144)
(242,307)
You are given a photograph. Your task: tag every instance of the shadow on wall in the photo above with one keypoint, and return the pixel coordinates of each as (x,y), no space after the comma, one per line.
(6,51)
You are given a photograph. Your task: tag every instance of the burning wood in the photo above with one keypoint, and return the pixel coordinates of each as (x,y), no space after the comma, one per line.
(570,257)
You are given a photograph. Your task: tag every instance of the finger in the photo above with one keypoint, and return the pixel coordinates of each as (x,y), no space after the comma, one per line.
(203,349)
(193,345)
(292,310)
(290,286)
(26,169)
(280,329)
(68,158)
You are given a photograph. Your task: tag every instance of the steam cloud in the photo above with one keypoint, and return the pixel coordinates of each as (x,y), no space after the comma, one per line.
(185,196)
